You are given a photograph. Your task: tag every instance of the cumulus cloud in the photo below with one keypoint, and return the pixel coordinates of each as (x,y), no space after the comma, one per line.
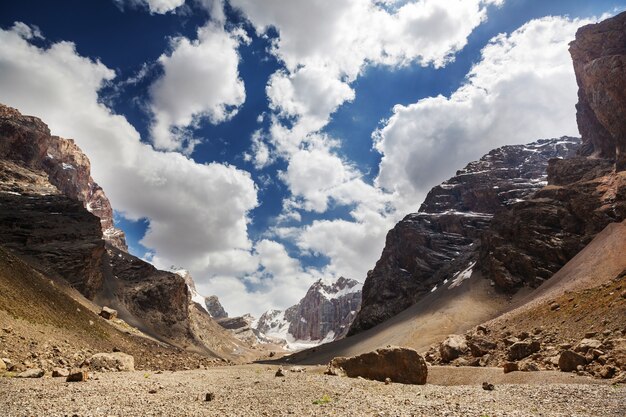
(522,89)
(198,213)
(154,6)
(200,81)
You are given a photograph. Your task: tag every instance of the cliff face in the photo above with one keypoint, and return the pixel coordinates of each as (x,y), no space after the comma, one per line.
(27,142)
(324,314)
(599,55)
(440,240)
(48,216)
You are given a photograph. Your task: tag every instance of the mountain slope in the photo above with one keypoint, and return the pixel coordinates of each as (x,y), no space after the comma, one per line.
(438,241)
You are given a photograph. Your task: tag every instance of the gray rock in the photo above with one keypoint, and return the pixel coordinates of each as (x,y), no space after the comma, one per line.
(31,373)
(116,360)
(401,365)
(586,344)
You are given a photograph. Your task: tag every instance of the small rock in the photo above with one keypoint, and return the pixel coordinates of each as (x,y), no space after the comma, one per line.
(209,396)
(279,372)
(77,375)
(3,366)
(31,373)
(60,373)
(555,306)
(7,329)
(387,381)
(589,335)
(608,371)
(487,386)
(569,361)
(152,391)
(108,313)
(510,367)
(586,344)
(528,367)
(297,369)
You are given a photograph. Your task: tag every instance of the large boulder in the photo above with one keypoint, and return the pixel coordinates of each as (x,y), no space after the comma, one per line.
(31,373)
(569,361)
(399,364)
(452,347)
(116,361)
(520,350)
(108,313)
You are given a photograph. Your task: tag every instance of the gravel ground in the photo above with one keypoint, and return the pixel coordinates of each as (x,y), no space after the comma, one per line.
(253,390)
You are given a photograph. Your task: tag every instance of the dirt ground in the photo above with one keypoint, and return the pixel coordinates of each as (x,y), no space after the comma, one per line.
(254,390)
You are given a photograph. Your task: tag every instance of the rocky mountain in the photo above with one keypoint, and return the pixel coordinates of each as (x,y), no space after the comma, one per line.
(210,304)
(324,314)
(520,213)
(46,192)
(27,142)
(438,243)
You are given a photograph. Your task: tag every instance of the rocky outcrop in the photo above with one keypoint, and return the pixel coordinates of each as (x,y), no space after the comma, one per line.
(214,307)
(438,243)
(324,314)
(27,142)
(392,364)
(599,55)
(242,327)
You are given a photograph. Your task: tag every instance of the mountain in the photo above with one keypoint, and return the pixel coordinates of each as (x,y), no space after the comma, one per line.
(46,194)
(323,315)
(438,243)
(210,304)
(546,265)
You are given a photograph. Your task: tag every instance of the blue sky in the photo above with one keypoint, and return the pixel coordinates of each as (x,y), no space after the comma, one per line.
(264,144)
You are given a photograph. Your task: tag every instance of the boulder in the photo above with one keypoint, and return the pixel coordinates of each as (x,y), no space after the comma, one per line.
(520,350)
(77,375)
(586,344)
(479,346)
(60,373)
(569,361)
(31,373)
(452,347)
(108,313)
(112,361)
(399,364)
(510,367)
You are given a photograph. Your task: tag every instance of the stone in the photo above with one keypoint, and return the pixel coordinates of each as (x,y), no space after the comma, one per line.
(608,371)
(401,365)
(510,367)
(60,373)
(209,396)
(77,375)
(586,344)
(488,387)
(116,360)
(31,373)
(520,350)
(108,313)
(479,346)
(279,372)
(528,366)
(569,361)
(3,366)
(452,347)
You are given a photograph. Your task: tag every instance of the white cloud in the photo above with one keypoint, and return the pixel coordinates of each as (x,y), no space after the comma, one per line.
(522,89)
(154,6)
(198,213)
(324,49)
(200,81)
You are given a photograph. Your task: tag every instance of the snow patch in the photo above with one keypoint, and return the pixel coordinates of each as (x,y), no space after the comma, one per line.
(68,166)
(461,276)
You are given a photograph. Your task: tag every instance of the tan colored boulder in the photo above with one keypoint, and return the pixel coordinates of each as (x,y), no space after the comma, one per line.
(77,375)
(108,313)
(31,373)
(399,364)
(116,361)
(452,347)
(570,361)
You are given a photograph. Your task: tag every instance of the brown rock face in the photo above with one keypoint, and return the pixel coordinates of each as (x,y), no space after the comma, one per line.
(402,365)
(433,245)
(599,55)
(27,142)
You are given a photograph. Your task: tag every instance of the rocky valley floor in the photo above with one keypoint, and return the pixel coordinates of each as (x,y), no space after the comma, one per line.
(254,390)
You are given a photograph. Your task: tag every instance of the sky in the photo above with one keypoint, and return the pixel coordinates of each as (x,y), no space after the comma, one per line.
(265,144)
